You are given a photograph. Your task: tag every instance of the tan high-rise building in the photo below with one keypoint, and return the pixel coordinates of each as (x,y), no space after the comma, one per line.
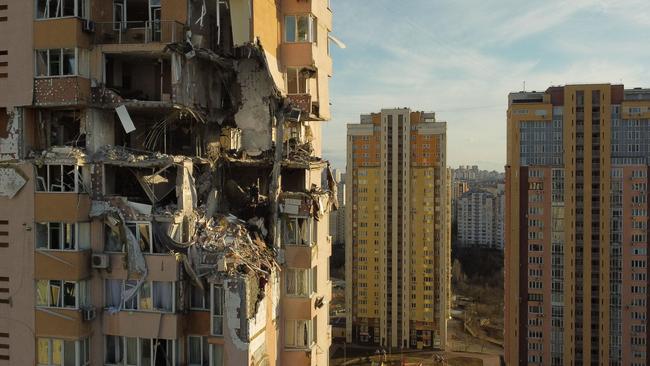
(160,191)
(398,231)
(577,226)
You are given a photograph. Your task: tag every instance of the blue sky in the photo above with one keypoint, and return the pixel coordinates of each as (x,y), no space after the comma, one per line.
(461,58)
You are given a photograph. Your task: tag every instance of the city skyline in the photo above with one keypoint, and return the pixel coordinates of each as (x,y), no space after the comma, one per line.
(441,57)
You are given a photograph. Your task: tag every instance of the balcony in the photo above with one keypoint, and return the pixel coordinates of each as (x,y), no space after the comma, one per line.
(61,323)
(143,324)
(61,91)
(139,32)
(61,207)
(60,33)
(62,265)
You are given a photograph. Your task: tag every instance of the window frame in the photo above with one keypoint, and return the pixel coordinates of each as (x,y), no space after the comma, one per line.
(82,294)
(214,288)
(139,341)
(297,240)
(297,71)
(137,234)
(312,28)
(294,324)
(205,300)
(77,238)
(307,280)
(78,184)
(137,298)
(84,9)
(61,74)
(81,351)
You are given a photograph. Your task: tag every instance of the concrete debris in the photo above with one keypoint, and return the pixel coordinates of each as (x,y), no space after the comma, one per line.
(123,156)
(58,153)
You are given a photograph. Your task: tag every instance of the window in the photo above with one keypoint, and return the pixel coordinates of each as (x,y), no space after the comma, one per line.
(58,178)
(142,232)
(56,62)
(61,294)
(62,235)
(300,28)
(199,299)
(297,231)
(150,296)
(200,353)
(217,309)
(297,80)
(298,282)
(47,9)
(51,352)
(298,334)
(140,352)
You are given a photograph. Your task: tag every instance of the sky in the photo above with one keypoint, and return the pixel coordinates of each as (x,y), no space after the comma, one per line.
(461,58)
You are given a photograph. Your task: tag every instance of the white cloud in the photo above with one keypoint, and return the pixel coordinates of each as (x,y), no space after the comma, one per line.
(461,58)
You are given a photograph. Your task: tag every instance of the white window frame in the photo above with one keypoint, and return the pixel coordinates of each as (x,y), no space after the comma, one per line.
(82,297)
(81,346)
(137,297)
(49,74)
(213,291)
(297,239)
(295,324)
(123,342)
(79,242)
(294,272)
(138,233)
(312,28)
(47,180)
(46,14)
(296,70)
(211,351)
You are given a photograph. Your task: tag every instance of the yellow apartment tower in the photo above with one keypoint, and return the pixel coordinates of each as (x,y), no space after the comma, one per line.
(576,257)
(398,230)
(161,200)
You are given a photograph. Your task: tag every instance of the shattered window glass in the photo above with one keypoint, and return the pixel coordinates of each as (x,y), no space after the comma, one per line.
(132,303)
(290,231)
(69,294)
(55,293)
(112,241)
(41,292)
(305,232)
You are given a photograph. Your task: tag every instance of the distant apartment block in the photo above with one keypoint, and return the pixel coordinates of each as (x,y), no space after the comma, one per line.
(398,232)
(337,218)
(480,218)
(576,256)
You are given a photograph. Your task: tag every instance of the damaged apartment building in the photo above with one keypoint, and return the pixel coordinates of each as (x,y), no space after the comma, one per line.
(161,200)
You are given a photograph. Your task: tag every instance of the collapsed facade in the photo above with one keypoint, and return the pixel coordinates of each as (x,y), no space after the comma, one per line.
(160,184)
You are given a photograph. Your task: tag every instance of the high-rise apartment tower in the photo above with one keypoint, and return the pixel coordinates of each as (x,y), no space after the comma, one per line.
(398,232)
(577,226)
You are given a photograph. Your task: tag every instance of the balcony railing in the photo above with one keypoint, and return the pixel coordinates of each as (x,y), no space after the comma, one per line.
(163,31)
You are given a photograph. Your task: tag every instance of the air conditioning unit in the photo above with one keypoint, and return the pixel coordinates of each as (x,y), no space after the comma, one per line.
(88,26)
(89,313)
(100,261)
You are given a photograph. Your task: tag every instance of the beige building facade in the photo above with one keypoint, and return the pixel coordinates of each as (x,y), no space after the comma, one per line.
(576,226)
(398,230)
(160,182)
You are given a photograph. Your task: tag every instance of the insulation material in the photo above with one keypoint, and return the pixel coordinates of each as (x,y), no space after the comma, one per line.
(253,116)
(125,118)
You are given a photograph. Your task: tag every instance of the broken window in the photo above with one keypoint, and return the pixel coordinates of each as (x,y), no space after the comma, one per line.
(140,77)
(297,231)
(142,233)
(217,309)
(58,178)
(297,81)
(62,235)
(47,9)
(199,299)
(298,334)
(61,128)
(133,351)
(60,352)
(61,294)
(298,282)
(300,28)
(57,62)
(151,296)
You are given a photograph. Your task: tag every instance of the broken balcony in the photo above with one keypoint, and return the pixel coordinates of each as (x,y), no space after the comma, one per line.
(138,77)
(138,21)
(302,91)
